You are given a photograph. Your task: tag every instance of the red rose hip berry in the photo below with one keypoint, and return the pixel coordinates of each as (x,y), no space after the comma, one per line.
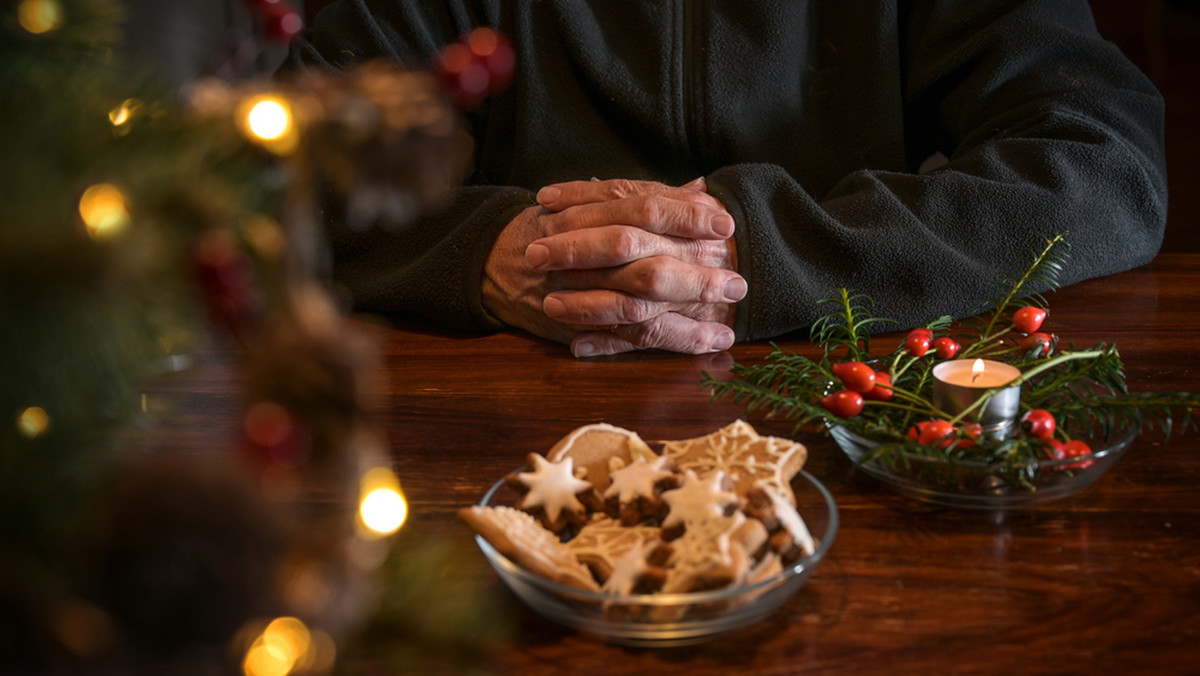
(855,376)
(918,342)
(843,403)
(1029,319)
(1038,423)
(946,347)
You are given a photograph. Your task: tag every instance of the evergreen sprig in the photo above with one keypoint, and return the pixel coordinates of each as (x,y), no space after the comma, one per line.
(1083,388)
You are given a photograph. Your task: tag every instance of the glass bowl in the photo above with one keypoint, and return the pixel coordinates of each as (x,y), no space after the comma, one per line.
(666,620)
(984,485)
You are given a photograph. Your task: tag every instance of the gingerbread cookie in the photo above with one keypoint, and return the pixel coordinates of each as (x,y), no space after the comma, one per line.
(789,534)
(710,554)
(744,455)
(521,538)
(696,500)
(602,541)
(635,491)
(552,492)
(599,448)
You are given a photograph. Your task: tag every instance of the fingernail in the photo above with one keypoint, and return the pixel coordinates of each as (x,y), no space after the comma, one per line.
(548,194)
(735,289)
(583,349)
(723,342)
(537,254)
(554,308)
(722,224)
(696,184)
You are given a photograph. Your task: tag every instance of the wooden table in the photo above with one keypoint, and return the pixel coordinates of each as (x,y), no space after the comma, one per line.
(1106,581)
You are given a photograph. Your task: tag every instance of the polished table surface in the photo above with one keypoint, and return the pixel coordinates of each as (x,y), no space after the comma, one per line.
(1106,581)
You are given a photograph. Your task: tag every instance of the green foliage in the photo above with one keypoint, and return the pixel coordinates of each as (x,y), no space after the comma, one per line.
(1084,389)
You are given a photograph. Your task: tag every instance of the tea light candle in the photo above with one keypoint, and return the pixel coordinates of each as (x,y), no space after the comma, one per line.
(958,384)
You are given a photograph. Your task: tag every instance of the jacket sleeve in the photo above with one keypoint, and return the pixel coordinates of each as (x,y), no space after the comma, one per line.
(433,265)
(1048,129)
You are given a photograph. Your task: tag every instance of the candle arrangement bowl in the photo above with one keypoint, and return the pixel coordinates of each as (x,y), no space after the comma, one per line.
(991,411)
(668,620)
(982,484)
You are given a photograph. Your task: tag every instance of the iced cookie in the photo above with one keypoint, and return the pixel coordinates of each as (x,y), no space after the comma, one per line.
(744,455)
(603,541)
(520,537)
(697,499)
(712,553)
(552,493)
(789,535)
(597,449)
(635,491)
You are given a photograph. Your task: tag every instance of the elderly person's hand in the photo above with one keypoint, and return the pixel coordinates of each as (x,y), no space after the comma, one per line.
(612,266)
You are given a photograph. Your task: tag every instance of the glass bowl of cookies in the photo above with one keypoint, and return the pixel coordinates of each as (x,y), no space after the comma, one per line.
(657,548)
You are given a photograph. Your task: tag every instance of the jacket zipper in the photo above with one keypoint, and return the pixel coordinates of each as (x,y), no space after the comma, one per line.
(690,67)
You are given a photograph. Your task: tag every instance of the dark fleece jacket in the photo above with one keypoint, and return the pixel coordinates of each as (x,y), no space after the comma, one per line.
(810,119)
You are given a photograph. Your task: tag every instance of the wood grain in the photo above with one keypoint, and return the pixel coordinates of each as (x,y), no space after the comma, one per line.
(1104,581)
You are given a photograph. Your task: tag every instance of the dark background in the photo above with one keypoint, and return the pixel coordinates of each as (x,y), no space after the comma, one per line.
(183,38)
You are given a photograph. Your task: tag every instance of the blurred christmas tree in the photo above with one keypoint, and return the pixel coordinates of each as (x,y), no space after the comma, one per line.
(131,219)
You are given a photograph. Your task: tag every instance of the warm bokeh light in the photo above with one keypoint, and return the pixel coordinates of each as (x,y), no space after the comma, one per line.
(283,646)
(33,422)
(122,114)
(83,628)
(269,119)
(39,16)
(103,209)
(267,423)
(383,508)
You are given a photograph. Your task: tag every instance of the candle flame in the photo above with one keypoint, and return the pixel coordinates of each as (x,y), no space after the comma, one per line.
(977,369)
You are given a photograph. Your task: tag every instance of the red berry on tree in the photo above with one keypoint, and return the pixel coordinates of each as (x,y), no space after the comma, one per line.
(1029,319)
(280,20)
(843,403)
(495,52)
(463,74)
(855,376)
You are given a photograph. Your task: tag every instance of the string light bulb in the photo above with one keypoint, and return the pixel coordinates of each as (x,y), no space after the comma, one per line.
(33,422)
(383,508)
(285,646)
(122,115)
(39,16)
(104,211)
(267,120)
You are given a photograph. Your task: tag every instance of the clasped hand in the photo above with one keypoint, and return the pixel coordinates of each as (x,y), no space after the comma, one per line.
(613,266)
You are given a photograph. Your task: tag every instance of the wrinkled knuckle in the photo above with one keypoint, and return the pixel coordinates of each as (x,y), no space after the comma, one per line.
(648,335)
(628,245)
(649,280)
(635,310)
(647,211)
(621,187)
(712,289)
